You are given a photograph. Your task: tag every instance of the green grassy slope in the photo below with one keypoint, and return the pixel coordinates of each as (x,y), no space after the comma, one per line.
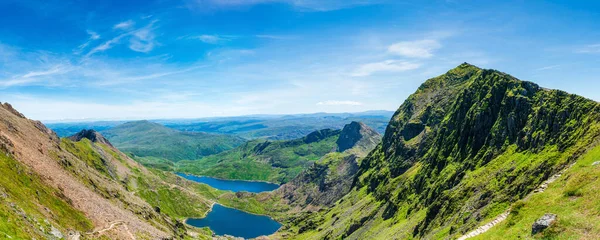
(574,197)
(29,208)
(459,151)
(274,161)
(154,142)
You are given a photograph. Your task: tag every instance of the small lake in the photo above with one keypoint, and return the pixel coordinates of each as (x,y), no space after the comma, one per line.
(232,185)
(223,220)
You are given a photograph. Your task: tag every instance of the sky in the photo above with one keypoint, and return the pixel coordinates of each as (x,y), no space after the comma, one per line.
(155,59)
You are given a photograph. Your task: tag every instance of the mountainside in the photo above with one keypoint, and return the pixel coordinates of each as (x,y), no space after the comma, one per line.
(82,187)
(330,178)
(154,142)
(457,153)
(274,161)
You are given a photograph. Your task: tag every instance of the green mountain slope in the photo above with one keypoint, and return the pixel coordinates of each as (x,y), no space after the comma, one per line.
(457,152)
(274,161)
(155,142)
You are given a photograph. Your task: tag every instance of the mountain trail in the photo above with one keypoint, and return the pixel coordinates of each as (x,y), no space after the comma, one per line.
(504,215)
(112,226)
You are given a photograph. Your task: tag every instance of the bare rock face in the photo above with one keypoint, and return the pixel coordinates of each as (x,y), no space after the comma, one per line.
(91,135)
(544,222)
(357,134)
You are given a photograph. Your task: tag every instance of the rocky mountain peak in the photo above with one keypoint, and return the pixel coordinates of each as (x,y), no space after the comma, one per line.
(91,135)
(355,134)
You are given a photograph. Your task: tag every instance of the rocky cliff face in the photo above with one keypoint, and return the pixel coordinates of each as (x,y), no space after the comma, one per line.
(90,135)
(462,148)
(357,135)
(330,178)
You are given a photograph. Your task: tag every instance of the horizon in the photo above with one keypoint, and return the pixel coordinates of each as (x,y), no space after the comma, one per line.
(259,116)
(196,59)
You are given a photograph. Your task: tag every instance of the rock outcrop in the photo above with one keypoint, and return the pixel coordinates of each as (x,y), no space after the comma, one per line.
(544,222)
(357,134)
(91,135)
(330,178)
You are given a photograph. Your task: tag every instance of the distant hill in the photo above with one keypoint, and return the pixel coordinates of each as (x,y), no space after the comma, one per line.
(152,140)
(284,127)
(275,161)
(274,127)
(282,160)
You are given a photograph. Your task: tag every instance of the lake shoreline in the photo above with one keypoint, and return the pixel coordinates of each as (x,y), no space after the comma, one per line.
(185,220)
(226,179)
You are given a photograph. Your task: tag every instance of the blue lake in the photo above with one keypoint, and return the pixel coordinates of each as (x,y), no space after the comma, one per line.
(232,185)
(223,220)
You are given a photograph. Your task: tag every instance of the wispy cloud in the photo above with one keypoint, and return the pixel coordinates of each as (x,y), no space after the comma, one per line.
(338,103)
(107,45)
(415,49)
(140,40)
(211,39)
(305,5)
(547,67)
(124,25)
(589,49)
(36,76)
(384,66)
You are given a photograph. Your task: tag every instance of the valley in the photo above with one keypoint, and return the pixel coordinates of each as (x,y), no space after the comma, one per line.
(469,147)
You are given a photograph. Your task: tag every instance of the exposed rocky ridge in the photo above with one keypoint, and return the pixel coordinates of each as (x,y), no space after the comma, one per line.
(357,135)
(330,178)
(460,149)
(91,135)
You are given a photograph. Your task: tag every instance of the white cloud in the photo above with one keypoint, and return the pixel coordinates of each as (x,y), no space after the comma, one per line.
(36,76)
(338,103)
(212,39)
(142,40)
(306,5)
(592,48)
(124,25)
(93,35)
(106,45)
(415,49)
(385,66)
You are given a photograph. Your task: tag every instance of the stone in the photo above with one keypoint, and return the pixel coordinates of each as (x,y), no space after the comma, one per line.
(544,222)
(596,163)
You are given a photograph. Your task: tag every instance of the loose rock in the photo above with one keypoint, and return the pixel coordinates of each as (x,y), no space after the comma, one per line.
(544,222)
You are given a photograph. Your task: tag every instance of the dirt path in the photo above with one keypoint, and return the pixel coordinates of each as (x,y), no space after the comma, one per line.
(504,215)
(112,226)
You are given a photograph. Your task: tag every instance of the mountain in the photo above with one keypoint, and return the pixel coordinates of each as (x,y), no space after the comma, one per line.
(154,142)
(83,187)
(330,178)
(465,148)
(265,160)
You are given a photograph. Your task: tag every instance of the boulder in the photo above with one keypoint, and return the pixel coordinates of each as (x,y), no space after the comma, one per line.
(544,222)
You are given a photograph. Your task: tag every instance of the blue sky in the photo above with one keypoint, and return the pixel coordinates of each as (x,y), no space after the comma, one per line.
(200,58)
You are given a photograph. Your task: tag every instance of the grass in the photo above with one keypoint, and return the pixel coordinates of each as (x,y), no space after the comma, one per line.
(273,161)
(28,207)
(575,198)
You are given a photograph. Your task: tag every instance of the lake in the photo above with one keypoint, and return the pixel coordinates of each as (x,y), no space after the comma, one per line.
(223,220)
(232,185)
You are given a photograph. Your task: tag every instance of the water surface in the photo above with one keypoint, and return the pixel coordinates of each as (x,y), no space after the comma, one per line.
(232,185)
(223,220)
